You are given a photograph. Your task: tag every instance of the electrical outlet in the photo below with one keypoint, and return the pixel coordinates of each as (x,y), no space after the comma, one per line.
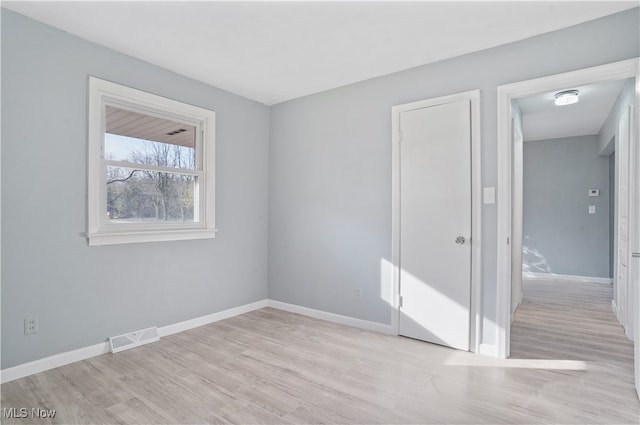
(31,325)
(358,294)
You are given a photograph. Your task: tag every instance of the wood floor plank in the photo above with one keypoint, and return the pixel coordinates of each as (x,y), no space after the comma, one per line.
(571,364)
(135,411)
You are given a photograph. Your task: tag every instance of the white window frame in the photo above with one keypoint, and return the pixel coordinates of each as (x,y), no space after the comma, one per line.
(102,232)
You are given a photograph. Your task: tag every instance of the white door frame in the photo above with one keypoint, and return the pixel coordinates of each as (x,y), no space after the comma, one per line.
(624,308)
(634,224)
(613,71)
(517,216)
(476,176)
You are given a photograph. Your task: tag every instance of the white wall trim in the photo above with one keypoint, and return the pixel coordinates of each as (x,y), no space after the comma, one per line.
(51,362)
(635,234)
(476,313)
(210,318)
(61,359)
(332,317)
(614,307)
(570,277)
(627,331)
(608,72)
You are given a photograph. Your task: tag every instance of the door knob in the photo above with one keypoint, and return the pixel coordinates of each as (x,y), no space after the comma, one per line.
(460,240)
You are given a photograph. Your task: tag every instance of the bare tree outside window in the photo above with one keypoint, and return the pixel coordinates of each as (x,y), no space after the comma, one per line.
(144,194)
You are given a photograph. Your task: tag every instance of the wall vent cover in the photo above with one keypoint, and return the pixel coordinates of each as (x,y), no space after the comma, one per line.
(133,339)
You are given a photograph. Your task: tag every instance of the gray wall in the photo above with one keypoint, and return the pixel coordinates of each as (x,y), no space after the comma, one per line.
(330,165)
(84,294)
(560,236)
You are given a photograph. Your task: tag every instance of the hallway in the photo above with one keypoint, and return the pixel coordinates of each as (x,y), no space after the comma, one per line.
(565,320)
(569,320)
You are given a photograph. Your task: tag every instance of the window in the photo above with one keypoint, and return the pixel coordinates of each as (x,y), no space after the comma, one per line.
(151,167)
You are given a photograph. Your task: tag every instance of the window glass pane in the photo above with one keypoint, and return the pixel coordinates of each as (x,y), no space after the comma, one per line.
(143,139)
(141,196)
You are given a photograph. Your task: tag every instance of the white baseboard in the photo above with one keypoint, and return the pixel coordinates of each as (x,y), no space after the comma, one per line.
(57,360)
(211,318)
(51,362)
(332,317)
(627,330)
(614,307)
(573,278)
(515,307)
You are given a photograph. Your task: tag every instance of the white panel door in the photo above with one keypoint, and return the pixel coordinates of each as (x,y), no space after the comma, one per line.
(435,224)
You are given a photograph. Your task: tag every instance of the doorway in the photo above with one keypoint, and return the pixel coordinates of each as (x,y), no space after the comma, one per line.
(563,166)
(506,94)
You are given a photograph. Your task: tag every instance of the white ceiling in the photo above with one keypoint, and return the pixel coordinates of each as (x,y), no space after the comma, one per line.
(276,51)
(542,119)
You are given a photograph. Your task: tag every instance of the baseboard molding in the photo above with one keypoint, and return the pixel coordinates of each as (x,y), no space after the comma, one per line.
(614,307)
(57,360)
(627,330)
(573,278)
(51,362)
(488,350)
(211,318)
(332,317)
(515,308)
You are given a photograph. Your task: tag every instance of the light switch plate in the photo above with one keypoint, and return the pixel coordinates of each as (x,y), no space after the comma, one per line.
(489,195)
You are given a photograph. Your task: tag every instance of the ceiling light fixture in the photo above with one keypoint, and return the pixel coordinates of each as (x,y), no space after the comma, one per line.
(567,97)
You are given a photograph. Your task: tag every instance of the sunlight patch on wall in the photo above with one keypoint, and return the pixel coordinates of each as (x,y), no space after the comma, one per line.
(386,281)
(533,261)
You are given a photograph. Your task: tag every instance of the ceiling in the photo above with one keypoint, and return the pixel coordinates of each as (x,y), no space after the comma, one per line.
(275,51)
(542,119)
(146,127)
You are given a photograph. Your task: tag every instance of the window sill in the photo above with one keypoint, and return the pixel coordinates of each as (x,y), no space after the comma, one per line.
(98,239)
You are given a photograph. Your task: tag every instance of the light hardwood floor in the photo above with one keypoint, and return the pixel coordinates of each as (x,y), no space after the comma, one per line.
(274,367)
(571,320)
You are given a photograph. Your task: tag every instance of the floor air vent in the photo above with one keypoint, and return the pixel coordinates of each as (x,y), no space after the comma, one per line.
(133,339)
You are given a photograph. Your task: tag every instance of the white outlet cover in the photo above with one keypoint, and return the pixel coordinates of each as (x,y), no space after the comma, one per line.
(489,195)
(31,325)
